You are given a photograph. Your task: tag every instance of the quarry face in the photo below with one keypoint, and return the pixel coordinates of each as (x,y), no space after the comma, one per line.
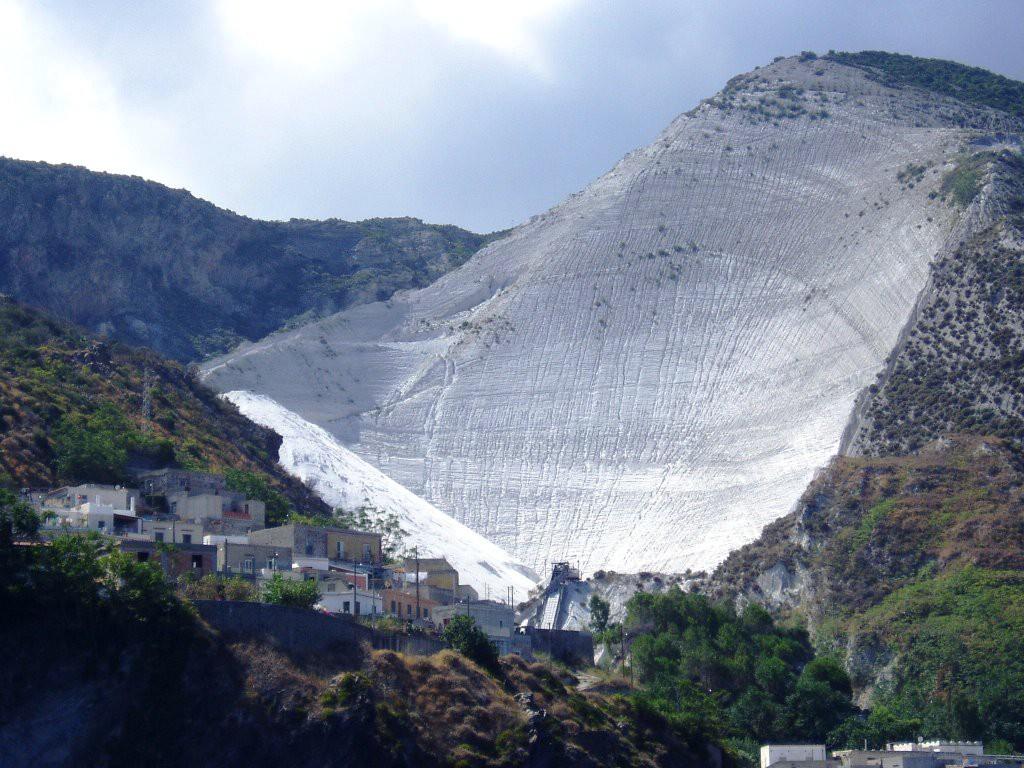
(644,376)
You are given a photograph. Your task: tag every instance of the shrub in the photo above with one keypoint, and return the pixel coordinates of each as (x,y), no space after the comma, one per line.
(93,447)
(282,591)
(599,612)
(963,182)
(969,84)
(213,587)
(256,485)
(467,638)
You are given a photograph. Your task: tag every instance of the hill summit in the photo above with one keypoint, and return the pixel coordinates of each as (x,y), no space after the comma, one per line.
(644,376)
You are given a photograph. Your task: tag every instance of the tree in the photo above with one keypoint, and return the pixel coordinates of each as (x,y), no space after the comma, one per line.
(366,517)
(599,612)
(17,519)
(256,486)
(820,701)
(462,634)
(299,594)
(93,447)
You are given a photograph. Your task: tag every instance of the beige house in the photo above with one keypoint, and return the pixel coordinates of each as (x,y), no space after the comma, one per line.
(170,531)
(116,496)
(353,546)
(228,507)
(316,545)
(438,572)
(252,559)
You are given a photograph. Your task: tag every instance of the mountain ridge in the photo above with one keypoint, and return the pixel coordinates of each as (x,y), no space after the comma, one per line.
(591,387)
(159,267)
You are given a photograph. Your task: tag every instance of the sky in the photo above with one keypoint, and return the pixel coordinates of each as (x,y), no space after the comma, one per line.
(471,112)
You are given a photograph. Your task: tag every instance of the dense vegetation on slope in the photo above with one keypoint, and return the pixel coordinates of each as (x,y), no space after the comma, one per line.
(912,568)
(961,368)
(73,408)
(971,85)
(158,267)
(105,667)
(742,680)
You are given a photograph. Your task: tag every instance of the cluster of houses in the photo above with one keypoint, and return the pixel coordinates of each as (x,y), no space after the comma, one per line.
(914,754)
(192,523)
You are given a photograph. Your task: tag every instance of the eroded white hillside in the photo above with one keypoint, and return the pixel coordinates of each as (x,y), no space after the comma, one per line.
(644,376)
(344,480)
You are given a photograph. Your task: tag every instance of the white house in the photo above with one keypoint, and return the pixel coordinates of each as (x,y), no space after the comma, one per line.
(791,753)
(340,600)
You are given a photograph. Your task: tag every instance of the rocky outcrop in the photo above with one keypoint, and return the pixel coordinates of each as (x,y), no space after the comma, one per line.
(868,528)
(158,267)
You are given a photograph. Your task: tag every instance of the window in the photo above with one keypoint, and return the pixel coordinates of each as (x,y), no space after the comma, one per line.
(159,535)
(393,607)
(186,538)
(357,607)
(249,565)
(426,613)
(309,549)
(341,551)
(272,563)
(197,562)
(366,552)
(101,524)
(330,586)
(345,607)
(408,611)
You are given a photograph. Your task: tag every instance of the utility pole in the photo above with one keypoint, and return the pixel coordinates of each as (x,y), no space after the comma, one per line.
(147,401)
(416,552)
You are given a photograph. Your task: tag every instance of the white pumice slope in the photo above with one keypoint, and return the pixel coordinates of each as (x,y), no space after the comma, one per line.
(344,480)
(644,376)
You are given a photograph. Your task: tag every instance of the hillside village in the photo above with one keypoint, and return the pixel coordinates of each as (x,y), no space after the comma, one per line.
(913,754)
(213,543)
(187,574)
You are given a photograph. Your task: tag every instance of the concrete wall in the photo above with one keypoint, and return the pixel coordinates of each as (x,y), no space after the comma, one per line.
(297,629)
(572,648)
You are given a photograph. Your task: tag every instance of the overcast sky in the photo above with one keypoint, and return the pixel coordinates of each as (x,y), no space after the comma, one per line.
(468,112)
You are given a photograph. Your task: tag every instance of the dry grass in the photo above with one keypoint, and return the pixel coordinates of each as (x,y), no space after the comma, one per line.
(449,711)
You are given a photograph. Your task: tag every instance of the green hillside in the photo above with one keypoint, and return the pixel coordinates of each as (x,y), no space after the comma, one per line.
(911,569)
(74,408)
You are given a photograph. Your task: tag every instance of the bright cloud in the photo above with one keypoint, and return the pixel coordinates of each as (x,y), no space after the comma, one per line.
(509,26)
(56,105)
(474,112)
